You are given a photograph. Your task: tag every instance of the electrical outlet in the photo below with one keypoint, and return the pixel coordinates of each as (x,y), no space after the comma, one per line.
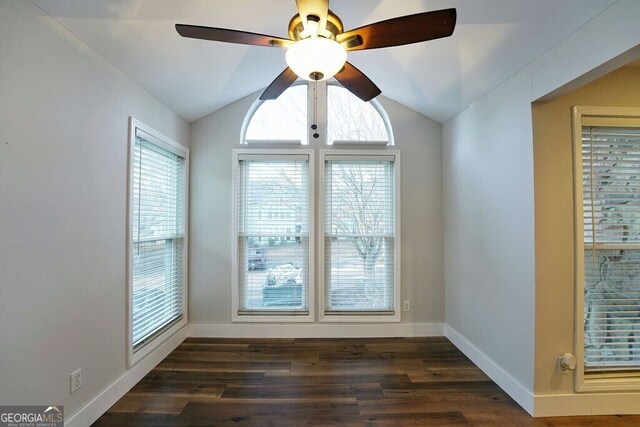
(75,379)
(406,305)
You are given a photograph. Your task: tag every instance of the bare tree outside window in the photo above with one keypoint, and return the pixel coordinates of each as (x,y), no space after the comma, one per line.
(350,119)
(282,119)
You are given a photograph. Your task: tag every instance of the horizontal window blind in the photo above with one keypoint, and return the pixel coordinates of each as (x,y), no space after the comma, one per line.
(611,207)
(359,236)
(158,217)
(273,234)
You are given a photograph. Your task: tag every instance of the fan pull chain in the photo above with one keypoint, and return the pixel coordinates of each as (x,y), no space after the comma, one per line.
(314,126)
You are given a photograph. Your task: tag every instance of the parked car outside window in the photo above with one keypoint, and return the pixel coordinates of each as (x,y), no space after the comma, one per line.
(256,258)
(282,286)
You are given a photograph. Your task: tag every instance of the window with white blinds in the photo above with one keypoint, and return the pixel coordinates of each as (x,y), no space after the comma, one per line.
(360,234)
(611,218)
(273,234)
(157,237)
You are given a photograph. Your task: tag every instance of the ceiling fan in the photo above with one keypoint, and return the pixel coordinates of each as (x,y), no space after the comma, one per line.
(317,45)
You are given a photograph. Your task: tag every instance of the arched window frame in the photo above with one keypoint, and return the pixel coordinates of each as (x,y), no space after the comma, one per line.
(321,118)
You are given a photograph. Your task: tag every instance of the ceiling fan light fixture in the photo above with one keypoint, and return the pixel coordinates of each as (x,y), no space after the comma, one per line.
(316,58)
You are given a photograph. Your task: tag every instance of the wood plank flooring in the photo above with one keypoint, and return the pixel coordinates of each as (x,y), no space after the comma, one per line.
(328,382)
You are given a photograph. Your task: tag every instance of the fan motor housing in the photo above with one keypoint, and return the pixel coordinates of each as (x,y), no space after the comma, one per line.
(334,26)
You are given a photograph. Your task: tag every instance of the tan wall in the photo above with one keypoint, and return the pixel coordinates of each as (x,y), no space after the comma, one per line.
(553,171)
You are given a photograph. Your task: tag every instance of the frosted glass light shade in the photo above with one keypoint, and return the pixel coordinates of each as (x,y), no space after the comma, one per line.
(316,55)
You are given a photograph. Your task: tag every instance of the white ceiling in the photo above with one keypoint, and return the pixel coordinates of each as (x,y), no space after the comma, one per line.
(492,41)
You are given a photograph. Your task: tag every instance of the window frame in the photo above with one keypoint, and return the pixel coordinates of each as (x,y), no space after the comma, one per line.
(319,92)
(364,316)
(591,381)
(235,284)
(134,355)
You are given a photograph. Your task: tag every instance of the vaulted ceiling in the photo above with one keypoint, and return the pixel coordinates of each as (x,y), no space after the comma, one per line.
(492,41)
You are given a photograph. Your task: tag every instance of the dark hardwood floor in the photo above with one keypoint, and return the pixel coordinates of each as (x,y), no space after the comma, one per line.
(343,382)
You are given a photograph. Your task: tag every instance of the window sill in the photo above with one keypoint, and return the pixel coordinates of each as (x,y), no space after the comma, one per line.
(272,318)
(361,318)
(609,382)
(139,354)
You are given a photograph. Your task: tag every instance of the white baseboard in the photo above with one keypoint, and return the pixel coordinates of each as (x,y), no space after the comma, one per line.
(97,406)
(314,330)
(510,385)
(558,405)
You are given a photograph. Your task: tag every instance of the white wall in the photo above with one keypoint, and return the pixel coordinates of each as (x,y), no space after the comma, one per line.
(489,215)
(214,137)
(63,178)
(488,205)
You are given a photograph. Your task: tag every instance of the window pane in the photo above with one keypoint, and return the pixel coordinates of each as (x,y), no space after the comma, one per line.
(157,214)
(359,236)
(274,273)
(612,308)
(273,235)
(280,120)
(351,119)
(611,207)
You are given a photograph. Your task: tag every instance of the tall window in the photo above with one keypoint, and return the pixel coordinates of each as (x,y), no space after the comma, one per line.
(158,188)
(360,233)
(274,194)
(608,240)
(273,213)
(611,206)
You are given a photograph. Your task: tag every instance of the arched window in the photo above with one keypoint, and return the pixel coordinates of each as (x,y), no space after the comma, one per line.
(286,120)
(352,121)
(282,120)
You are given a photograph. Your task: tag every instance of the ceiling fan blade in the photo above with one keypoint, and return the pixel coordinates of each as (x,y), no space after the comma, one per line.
(319,8)
(231,36)
(357,83)
(279,85)
(403,30)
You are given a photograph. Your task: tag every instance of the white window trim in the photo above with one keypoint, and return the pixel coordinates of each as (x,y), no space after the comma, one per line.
(591,382)
(351,317)
(169,144)
(235,287)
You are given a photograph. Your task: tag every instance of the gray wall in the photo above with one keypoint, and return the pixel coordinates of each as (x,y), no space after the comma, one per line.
(489,250)
(63,179)
(213,138)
